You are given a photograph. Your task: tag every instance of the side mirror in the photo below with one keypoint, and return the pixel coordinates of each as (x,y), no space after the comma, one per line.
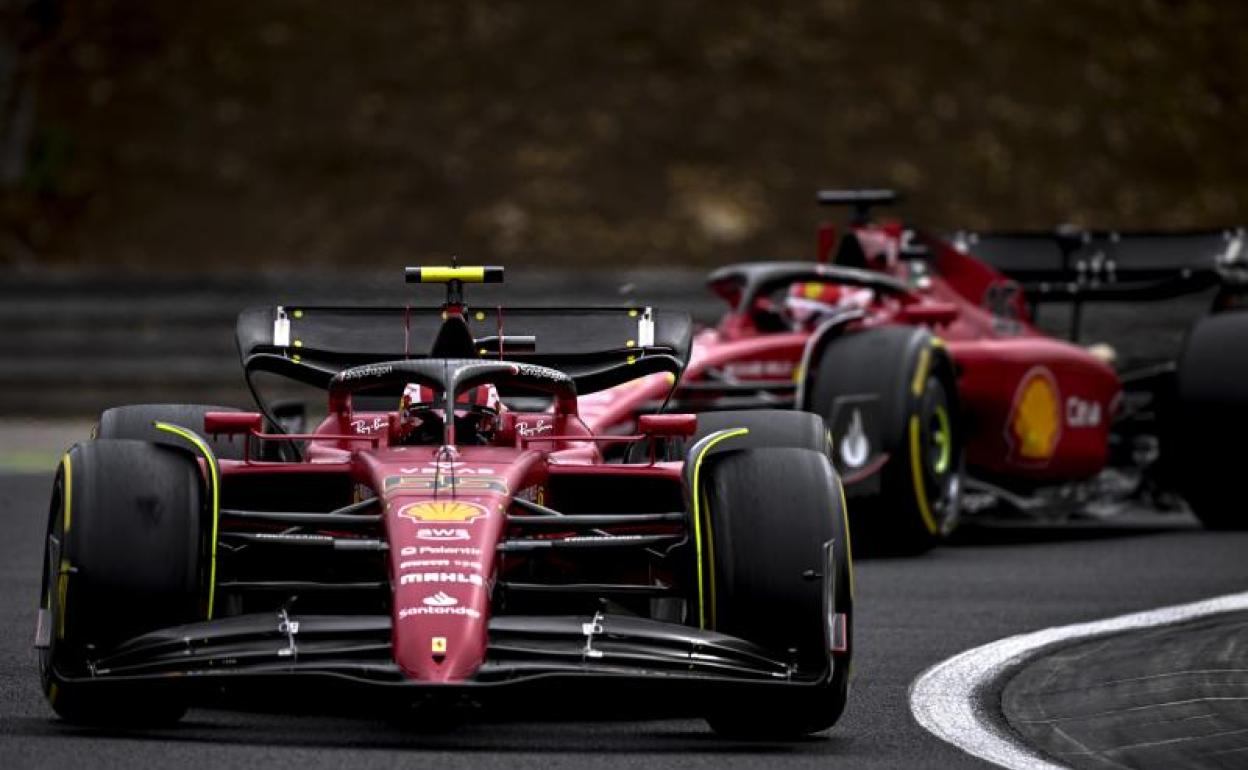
(233,423)
(667,424)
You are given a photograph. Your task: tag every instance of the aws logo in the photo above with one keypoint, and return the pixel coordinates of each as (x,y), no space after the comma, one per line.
(442,510)
(1035,422)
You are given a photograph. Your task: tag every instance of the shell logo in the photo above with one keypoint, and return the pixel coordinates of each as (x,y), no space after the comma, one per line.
(442,510)
(1035,422)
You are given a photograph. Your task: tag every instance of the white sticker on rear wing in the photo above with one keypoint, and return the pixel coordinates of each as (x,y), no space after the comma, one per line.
(645,328)
(281,328)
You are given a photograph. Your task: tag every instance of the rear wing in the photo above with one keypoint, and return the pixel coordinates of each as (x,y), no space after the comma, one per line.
(1079,265)
(599,347)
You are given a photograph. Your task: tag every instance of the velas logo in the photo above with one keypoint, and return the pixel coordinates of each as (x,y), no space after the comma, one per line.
(442,510)
(1035,422)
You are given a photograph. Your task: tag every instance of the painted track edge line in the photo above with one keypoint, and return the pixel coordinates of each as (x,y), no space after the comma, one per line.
(944,699)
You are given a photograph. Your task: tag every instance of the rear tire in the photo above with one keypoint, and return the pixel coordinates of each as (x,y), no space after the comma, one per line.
(135,422)
(1204,446)
(909,382)
(766,516)
(123,556)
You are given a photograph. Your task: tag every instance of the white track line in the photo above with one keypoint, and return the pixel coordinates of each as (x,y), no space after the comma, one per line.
(945,698)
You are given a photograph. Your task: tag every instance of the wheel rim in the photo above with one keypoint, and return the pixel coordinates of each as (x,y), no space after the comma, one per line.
(940,455)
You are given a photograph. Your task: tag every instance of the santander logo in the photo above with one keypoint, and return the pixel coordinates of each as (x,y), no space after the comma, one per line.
(440,599)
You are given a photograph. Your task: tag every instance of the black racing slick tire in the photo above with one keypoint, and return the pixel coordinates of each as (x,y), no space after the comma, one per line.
(902,379)
(1204,446)
(135,421)
(124,555)
(776,570)
(771,428)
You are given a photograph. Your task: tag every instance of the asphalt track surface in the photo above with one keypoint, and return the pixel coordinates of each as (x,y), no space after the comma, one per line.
(1163,697)
(912,613)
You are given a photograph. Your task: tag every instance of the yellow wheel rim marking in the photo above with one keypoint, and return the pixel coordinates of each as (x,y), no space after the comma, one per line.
(920,372)
(64,568)
(916,471)
(211,461)
(696,493)
(69,486)
(849,550)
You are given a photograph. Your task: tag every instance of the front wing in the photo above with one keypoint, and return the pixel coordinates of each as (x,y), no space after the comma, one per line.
(666,668)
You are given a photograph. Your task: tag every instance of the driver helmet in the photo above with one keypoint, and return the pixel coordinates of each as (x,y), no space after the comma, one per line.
(810,302)
(482,407)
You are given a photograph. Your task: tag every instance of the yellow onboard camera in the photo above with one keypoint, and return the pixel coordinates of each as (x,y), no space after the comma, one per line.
(449,274)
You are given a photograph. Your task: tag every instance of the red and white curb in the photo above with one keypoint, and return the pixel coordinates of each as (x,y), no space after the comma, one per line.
(945,698)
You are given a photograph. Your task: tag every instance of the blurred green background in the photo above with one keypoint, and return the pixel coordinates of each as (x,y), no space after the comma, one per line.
(219,134)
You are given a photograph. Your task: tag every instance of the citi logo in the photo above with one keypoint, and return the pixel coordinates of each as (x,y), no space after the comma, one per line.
(440,599)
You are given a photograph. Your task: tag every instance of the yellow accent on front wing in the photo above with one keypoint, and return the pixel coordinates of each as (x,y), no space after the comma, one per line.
(916,470)
(211,460)
(697,516)
(447,274)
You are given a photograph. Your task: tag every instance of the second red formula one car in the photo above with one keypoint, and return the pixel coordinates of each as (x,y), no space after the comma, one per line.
(922,356)
(450,534)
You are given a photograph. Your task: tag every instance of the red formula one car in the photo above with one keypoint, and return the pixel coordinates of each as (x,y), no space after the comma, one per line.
(922,356)
(470,547)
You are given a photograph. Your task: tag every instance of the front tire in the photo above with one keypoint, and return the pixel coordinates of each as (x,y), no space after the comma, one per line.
(135,421)
(904,380)
(774,524)
(768,428)
(123,556)
(1203,447)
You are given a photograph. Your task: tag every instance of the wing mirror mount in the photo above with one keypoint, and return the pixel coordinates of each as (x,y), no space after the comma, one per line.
(667,424)
(233,423)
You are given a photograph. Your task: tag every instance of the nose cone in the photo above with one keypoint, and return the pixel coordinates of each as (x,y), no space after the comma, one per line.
(441,553)
(440,629)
